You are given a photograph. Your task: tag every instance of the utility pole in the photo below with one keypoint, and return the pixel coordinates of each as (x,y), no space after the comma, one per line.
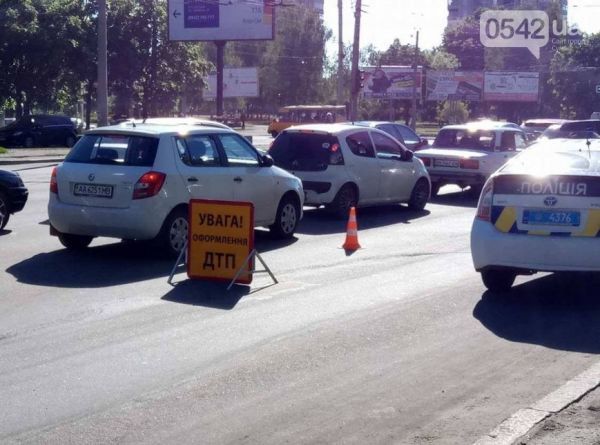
(413,120)
(340,72)
(355,55)
(102,89)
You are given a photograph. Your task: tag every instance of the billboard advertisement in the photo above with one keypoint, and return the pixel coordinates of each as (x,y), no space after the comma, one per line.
(511,86)
(454,85)
(191,20)
(391,82)
(237,82)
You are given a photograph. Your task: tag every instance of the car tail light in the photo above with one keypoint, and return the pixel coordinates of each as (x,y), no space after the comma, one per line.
(53,182)
(484,206)
(148,185)
(426,161)
(469,163)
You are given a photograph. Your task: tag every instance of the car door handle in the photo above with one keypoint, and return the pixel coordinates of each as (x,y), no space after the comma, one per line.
(237,179)
(192,179)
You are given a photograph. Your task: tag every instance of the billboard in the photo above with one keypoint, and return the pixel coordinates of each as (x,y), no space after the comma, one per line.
(237,82)
(391,82)
(213,20)
(454,85)
(511,86)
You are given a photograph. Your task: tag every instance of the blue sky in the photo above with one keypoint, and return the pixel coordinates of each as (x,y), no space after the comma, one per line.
(385,20)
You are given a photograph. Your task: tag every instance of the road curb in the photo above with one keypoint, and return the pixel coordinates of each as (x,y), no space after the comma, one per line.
(521,422)
(13,161)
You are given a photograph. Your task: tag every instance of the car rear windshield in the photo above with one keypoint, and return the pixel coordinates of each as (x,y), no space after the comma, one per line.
(298,151)
(473,140)
(542,162)
(114,149)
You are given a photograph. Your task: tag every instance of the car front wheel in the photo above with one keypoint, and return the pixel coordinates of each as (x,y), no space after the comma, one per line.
(4,211)
(419,195)
(498,280)
(74,242)
(287,219)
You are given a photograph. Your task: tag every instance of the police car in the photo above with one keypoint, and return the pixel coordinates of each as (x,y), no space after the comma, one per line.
(468,154)
(540,212)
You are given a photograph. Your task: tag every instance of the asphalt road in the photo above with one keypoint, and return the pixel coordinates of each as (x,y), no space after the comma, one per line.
(397,343)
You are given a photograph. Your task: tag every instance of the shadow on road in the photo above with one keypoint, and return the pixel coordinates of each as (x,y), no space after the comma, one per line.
(109,264)
(5,232)
(559,311)
(456,199)
(206,294)
(319,222)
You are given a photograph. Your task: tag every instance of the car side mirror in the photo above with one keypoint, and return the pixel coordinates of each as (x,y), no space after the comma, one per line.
(407,155)
(267,161)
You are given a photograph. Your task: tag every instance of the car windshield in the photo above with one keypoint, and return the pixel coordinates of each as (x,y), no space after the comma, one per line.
(466,139)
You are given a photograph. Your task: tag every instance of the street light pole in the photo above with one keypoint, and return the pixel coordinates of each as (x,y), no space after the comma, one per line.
(413,120)
(355,55)
(102,89)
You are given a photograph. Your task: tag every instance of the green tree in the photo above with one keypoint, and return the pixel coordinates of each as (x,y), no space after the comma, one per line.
(293,64)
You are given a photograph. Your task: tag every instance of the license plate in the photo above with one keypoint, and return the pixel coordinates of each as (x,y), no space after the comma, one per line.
(551,218)
(446,163)
(97,190)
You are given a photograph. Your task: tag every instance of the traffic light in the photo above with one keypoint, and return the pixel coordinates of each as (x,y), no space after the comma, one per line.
(360,81)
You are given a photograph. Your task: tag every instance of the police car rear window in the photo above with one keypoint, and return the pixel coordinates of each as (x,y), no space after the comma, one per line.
(542,162)
(115,149)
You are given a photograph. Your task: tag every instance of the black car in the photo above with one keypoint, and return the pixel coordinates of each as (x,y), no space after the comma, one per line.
(39,130)
(13,195)
(582,129)
(402,133)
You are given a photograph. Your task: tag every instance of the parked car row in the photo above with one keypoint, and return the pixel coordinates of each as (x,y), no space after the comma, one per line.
(539,208)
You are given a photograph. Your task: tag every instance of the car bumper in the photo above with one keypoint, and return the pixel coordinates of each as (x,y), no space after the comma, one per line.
(493,249)
(452,177)
(140,221)
(18,197)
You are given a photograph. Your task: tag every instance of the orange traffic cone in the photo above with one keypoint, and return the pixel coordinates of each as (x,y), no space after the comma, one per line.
(351,232)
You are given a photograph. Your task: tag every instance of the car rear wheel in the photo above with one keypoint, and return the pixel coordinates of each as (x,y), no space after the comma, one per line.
(435,188)
(74,242)
(345,199)
(29,142)
(419,195)
(288,217)
(4,211)
(173,236)
(498,280)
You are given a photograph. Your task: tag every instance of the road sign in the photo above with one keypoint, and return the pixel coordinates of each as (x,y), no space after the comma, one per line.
(214,20)
(220,239)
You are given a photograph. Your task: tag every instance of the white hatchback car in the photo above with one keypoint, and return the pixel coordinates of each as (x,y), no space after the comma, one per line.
(540,212)
(135,182)
(468,154)
(343,165)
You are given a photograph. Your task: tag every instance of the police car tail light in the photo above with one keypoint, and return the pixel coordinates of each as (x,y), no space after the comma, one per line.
(484,207)
(53,182)
(426,161)
(148,185)
(469,163)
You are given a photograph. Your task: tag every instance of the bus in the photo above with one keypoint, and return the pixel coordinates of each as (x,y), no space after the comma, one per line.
(304,114)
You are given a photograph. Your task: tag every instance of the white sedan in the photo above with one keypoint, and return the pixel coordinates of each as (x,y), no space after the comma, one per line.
(540,212)
(134,181)
(468,154)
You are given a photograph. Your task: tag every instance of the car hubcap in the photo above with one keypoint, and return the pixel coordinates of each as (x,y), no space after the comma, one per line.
(178,234)
(288,218)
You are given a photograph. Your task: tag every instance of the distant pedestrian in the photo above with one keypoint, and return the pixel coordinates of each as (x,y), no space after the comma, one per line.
(243,119)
